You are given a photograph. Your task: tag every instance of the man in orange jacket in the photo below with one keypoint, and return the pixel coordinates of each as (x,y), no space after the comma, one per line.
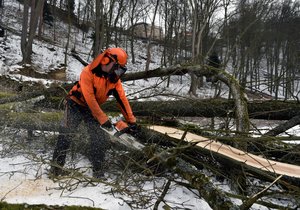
(98,81)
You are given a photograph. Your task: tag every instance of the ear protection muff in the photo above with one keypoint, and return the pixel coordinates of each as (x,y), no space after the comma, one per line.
(105,60)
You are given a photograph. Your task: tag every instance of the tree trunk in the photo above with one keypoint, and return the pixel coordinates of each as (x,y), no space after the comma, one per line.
(68,36)
(151,37)
(24,29)
(27,41)
(99,28)
(241,109)
(194,85)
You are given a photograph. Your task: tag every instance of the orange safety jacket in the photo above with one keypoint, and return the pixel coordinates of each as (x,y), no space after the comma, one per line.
(93,90)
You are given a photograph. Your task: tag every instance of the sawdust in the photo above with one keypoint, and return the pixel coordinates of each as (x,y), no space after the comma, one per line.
(26,188)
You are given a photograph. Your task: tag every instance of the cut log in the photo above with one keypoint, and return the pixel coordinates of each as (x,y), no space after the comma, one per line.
(244,158)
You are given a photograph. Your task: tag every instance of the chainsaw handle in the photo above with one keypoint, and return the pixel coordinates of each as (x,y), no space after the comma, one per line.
(112,131)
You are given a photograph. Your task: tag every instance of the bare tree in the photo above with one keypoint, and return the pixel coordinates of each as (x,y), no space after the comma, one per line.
(151,35)
(28,36)
(202,12)
(173,17)
(70,13)
(282,48)
(115,19)
(132,11)
(136,11)
(99,28)
(246,41)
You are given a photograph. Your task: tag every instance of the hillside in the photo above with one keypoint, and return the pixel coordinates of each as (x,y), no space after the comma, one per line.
(49,56)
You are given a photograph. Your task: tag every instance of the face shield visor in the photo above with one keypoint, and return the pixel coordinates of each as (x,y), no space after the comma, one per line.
(116,72)
(120,70)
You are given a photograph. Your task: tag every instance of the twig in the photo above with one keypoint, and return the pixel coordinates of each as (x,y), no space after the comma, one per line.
(163,194)
(78,197)
(3,198)
(248,203)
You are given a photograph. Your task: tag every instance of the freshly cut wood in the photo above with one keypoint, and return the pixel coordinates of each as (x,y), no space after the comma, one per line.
(231,152)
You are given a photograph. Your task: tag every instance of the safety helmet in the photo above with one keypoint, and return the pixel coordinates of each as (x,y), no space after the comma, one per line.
(117,55)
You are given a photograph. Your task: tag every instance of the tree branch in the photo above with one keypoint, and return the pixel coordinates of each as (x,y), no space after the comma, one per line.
(248,203)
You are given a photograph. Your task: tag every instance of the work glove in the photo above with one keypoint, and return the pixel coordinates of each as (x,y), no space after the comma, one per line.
(134,129)
(107,125)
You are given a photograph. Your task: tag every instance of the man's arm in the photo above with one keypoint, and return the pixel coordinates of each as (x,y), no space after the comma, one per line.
(123,103)
(87,87)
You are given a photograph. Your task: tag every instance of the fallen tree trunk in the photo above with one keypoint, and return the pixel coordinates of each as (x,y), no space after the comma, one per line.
(270,110)
(157,110)
(43,121)
(21,97)
(284,126)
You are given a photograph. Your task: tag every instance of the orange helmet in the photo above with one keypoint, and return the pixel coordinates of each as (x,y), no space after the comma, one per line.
(117,54)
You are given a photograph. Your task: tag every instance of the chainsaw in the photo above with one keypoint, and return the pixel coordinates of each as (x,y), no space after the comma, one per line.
(120,133)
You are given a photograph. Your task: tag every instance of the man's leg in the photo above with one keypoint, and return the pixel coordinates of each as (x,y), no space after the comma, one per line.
(72,117)
(59,155)
(99,143)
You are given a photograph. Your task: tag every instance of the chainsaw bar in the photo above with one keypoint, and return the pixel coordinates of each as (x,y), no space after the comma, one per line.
(124,138)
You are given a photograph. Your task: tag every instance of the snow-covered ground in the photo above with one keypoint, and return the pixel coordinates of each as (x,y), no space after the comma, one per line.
(23,172)
(24,180)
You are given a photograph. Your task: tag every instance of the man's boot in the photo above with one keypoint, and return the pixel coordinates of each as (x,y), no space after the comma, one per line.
(98,174)
(59,157)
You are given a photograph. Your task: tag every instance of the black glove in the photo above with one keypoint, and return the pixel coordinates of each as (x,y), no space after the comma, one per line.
(107,125)
(134,129)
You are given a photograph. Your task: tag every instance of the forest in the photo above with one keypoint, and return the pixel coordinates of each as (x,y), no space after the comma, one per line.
(222,72)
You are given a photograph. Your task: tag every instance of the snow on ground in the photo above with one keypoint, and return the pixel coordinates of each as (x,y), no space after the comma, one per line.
(23,179)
